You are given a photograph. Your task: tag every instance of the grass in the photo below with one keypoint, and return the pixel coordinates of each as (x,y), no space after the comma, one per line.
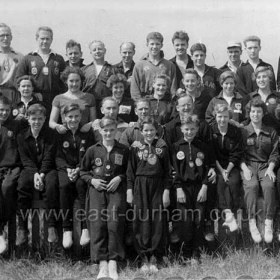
(253,261)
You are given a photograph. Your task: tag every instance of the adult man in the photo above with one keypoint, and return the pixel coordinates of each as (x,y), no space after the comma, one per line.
(9,60)
(234,51)
(182,60)
(44,66)
(246,81)
(97,73)
(125,67)
(74,54)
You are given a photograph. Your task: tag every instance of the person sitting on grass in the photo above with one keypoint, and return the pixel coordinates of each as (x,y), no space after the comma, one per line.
(71,148)
(37,147)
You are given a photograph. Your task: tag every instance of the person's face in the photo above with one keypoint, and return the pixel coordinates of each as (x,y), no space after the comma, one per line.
(118,90)
(189,131)
(5,37)
(160,87)
(4,112)
(110,109)
(142,110)
(97,51)
(25,88)
(154,46)
(263,80)
(222,118)
(149,132)
(36,121)
(234,54)
(228,86)
(73,119)
(185,105)
(127,53)
(191,82)
(256,114)
(74,82)
(180,46)
(44,40)
(74,55)
(198,58)
(108,132)
(253,49)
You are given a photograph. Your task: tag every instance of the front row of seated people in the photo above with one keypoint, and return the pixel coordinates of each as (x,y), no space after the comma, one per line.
(75,160)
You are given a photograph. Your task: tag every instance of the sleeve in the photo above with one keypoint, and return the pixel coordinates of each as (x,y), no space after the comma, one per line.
(56,101)
(60,158)
(240,82)
(85,172)
(135,91)
(22,68)
(167,179)
(274,155)
(278,75)
(49,154)
(208,163)
(92,102)
(273,80)
(209,115)
(178,178)
(173,78)
(125,137)
(124,175)
(217,72)
(131,168)
(236,152)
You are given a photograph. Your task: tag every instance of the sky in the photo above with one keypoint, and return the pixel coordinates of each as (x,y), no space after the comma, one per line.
(212,22)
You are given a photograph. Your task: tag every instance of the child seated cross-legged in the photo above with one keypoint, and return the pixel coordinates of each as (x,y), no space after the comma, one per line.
(103,168)
(191,163)
(36,146)
(71,148)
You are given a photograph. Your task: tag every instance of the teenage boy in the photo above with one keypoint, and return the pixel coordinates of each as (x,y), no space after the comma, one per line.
(9,60)
(37,149)
(97,74)
(151,64)
(209,75)
(234,51)
(246,82)
(45,66)
(9,167)
(181,60)
(74,54)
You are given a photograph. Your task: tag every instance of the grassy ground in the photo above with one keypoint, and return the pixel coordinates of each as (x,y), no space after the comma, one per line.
(254,262)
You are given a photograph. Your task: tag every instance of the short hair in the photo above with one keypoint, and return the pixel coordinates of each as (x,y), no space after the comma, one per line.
(36,108)
(105,121)
(130,43)
(109,98)
(142,100)
(183,95)
(191,71)
(190,119)
(252,38)
(264,69)
(4,25)
(72,43)
(257,102)
(117,78)
(96,42)
(154,36)
(164,77)
(149,120)
(26,78)
(198,47)
(225,75)
(72,70)
(71,107)
(44,28)
(182,35)
(5,101)
(220,108)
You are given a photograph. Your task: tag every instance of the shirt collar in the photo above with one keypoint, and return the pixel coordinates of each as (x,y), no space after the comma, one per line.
(251,130)
(37,52)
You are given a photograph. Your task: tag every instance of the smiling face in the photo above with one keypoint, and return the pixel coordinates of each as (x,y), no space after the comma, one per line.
(97,51)
(74,82)
(154,47)
(160,87)
(118,90)
(189,131)
(256,114)
(185,105)
(149,132)
(263,80)
(222,118)
(44,40)
(228,86)
(180,46)
(5,38)
(234,54)
(198,58)
(74,55)
(36,121)
(72,119)
(191,83)
(25,88)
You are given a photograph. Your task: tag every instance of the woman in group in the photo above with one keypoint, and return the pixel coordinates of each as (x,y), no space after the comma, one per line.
(73,77)
(260,159)
(230,97)
(227,143)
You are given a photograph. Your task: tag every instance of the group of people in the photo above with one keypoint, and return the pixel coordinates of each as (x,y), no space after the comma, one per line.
(148,148)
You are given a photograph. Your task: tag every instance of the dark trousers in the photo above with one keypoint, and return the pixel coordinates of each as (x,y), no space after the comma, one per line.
(229,192)
(8,180)
(68,192)
(106,217)
(25,195)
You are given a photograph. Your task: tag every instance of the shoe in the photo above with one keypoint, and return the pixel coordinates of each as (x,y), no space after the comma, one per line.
(3,243)
(113,271)
(254,231)
(22,237)
(103,270)
(67,241)
(85,239)
(153,268)
(208,234)
(230,221)
(52,236)
(268,232)
(145,268)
